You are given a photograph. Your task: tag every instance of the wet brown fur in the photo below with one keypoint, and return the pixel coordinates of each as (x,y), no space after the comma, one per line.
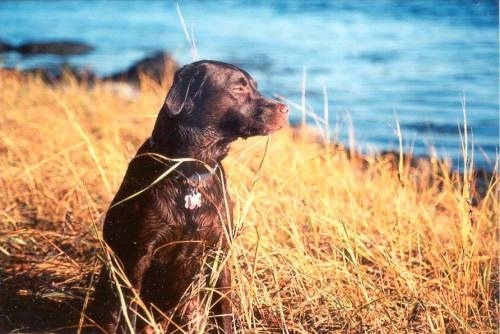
(161,244)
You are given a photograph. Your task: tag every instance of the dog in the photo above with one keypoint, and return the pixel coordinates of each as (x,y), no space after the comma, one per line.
(170,219)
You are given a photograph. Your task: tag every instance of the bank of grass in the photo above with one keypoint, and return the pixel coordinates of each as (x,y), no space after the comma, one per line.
(325,243)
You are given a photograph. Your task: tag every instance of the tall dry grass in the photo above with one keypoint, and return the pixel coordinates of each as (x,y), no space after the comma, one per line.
(325,242)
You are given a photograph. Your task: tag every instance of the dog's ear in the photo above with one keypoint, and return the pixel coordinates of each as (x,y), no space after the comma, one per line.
(188,84)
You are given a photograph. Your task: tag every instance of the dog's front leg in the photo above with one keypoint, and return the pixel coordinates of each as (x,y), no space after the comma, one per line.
(223,307)
(135,274)
(105,309)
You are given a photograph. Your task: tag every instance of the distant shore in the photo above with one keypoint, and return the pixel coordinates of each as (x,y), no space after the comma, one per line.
(156,67)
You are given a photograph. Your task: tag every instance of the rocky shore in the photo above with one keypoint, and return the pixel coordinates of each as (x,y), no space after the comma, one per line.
(154,66)
(62,48)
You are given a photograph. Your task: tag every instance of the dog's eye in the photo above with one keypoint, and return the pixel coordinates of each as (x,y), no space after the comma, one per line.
(239,89)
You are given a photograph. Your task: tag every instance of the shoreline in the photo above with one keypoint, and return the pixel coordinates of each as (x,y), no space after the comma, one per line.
(159,68)
(420,166)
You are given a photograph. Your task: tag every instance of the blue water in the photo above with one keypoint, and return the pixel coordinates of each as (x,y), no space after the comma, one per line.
(416,62)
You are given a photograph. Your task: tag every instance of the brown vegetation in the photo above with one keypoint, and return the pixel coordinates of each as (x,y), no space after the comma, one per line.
(324,242)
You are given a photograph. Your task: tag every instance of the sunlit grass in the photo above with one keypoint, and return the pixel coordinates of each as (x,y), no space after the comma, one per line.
(324,241)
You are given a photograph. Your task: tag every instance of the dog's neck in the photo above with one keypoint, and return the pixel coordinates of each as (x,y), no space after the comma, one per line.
(201,180)
(176,141)
(193,176)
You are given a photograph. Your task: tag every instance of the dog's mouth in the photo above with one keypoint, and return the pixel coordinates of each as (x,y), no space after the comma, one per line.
(271,128)
(274,120)
(262,121)
(266,125)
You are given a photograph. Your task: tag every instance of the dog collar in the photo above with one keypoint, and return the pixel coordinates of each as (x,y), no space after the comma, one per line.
(193,198)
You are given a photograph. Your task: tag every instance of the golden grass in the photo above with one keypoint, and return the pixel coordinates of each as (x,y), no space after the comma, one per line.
(325,243)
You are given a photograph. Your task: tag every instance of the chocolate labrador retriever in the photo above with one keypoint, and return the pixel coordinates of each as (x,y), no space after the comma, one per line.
(169,220)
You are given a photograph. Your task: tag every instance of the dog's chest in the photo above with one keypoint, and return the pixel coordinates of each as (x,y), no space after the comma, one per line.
(188,232)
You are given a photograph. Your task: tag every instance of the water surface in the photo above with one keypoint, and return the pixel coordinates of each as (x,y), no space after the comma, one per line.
(418,62)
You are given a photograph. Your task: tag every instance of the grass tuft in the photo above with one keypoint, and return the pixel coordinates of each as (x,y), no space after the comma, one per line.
(325,240)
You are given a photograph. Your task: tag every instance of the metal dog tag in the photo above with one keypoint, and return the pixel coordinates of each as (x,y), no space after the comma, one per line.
(193,200)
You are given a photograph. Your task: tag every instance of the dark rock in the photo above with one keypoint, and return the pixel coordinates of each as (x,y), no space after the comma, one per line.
(55,75)
(57,48)
(155,67)
(6,47)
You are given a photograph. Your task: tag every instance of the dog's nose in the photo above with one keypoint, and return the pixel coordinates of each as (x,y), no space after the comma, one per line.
(283,108)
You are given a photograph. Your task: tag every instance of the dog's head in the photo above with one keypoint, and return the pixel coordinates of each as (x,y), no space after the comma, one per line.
(221,100)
